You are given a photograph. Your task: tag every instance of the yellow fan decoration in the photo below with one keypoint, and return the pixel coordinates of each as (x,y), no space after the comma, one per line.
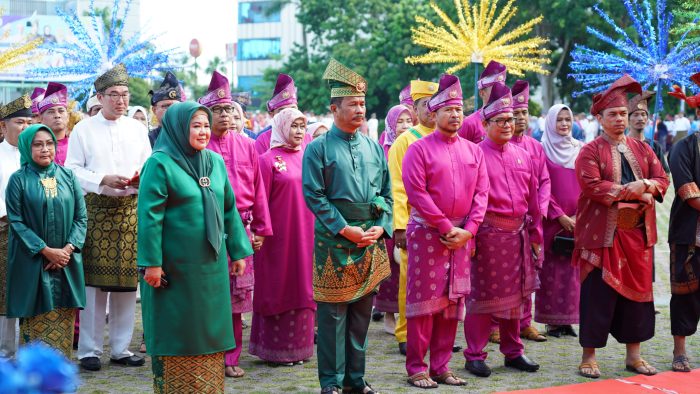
(476,38)
(18,55)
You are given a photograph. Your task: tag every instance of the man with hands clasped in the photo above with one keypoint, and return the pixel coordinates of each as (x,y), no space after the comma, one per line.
(447,188)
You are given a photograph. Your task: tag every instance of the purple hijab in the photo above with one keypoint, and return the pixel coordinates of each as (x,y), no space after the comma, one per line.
(390,123)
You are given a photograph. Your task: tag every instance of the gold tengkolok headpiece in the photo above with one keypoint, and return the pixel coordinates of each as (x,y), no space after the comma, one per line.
(117,76)
(343,81)
(21,106)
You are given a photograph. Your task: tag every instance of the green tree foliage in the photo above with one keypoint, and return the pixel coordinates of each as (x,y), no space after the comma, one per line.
(138,89)
(687,13)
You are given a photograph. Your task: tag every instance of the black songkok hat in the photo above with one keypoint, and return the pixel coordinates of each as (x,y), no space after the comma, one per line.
(169,90)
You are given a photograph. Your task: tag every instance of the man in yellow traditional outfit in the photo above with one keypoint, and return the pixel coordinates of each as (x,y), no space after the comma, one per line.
(421,91)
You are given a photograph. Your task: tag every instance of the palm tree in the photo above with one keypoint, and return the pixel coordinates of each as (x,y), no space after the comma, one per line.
(216,64)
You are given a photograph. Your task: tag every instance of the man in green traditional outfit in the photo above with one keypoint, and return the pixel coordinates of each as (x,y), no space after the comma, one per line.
(346,185)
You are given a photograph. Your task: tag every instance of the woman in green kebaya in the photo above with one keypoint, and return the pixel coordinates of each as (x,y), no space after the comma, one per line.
(188,222)
(47,219)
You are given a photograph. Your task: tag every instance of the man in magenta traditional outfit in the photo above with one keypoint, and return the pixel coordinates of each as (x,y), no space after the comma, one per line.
(507,244)
(472,126)
(37,95)
(53,112)
(447,187)
(620,178)
(243,169)
(521,99)
(284,96)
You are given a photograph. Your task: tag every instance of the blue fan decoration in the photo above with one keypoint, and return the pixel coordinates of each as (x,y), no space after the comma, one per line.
(650,59)
(93,51)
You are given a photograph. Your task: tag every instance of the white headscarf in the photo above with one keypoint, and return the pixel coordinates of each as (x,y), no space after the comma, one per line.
(562,150)
(282,127)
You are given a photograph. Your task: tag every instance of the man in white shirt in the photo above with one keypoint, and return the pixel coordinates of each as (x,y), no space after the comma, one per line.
(681,126)
(373,127)
(106,152)
(591,129)
(14,118)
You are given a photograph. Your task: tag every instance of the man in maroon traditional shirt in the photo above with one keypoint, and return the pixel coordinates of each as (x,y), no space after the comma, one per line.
(620,178)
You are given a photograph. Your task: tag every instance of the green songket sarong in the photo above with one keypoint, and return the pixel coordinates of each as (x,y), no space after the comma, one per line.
(343,272)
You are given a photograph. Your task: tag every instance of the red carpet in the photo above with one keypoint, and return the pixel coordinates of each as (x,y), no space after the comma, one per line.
(662,383)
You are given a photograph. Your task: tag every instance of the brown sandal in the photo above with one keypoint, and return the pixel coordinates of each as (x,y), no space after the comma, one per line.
(532,334)
(681,364)
(443,377)
(495,336)
(414,379)
(641,364)
(593,366)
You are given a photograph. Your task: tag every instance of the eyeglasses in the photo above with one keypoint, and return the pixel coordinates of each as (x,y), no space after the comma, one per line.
(41,145)
(502,122)
(116,96)
(221,110)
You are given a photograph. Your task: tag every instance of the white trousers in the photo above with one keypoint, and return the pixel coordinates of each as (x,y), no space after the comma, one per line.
(122,317)
(9,336)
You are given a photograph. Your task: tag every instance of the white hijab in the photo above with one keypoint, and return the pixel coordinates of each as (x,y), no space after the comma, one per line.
(562,150)
(282,128)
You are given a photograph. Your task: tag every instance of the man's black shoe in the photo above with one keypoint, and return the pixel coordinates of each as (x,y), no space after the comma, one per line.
(478,368)
(402,348)
(456,349)
(90,363)
(377,316)
(133,361)
(523,363)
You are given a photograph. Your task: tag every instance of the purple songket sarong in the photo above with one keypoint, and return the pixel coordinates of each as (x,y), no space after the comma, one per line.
(503,271)
(439,279)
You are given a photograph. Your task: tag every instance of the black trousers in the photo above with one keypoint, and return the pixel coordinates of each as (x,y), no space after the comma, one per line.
(604,311)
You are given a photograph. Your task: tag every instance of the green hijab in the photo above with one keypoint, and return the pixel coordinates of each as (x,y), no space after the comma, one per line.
(24,145)
(174,141)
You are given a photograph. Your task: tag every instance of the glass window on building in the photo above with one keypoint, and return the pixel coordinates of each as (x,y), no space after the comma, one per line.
(250,83)
(258,48)
(258,12)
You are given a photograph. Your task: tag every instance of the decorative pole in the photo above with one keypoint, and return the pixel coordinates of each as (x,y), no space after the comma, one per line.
(478,36)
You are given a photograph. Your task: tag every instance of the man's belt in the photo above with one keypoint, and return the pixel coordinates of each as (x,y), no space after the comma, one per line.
(359,211)
(504,222)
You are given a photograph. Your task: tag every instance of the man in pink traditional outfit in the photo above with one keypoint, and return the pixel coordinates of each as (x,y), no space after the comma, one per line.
(447,188)
(284,96)
(243,169)
(53,112)
(507,244)
(472,126)
(620,178)
(521,99)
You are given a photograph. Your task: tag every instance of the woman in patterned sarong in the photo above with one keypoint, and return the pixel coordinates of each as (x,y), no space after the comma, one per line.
(557,301)
(283,306)
(188,224)
(48,220)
